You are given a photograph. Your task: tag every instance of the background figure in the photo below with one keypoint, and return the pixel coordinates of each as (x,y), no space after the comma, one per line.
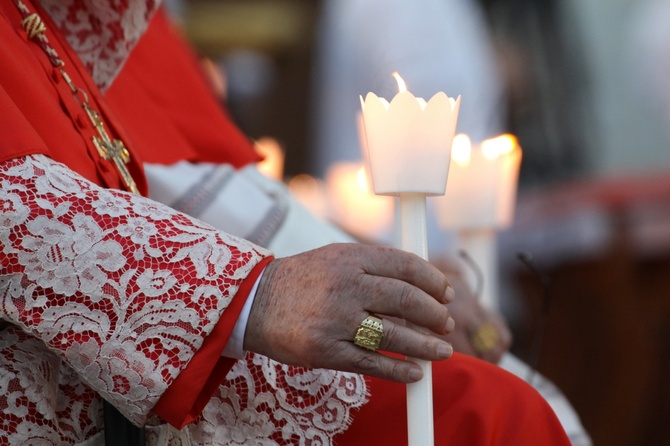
(441,46)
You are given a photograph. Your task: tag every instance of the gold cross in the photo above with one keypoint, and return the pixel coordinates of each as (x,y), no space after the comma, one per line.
(110,149)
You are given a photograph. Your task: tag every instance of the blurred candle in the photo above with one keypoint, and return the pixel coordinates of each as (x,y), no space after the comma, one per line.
(353,206)
(481,190)
(272,164)
(311,193)
(480,200)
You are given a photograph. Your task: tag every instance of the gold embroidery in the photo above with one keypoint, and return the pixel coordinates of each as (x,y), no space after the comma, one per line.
(33,25)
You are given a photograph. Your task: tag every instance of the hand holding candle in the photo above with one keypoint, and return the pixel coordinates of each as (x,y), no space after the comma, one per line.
(408,151)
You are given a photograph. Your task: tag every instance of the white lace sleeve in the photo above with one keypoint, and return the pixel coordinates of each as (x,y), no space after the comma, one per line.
(121,287)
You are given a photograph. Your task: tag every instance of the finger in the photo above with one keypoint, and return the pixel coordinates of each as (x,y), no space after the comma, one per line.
(396,298)
(366,362)
(460,342)
(410,268)
(399,339)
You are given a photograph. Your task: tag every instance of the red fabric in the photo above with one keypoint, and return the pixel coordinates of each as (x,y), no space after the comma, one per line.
(186,123)
(189,393)
(476,403)
(58,126)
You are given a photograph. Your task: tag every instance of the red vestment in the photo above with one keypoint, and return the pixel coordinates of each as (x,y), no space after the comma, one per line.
(120,297)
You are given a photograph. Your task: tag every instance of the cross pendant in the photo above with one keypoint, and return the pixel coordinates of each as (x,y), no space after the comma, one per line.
(113,150)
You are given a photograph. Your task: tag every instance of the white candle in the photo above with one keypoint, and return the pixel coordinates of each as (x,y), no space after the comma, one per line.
(408,151)
(409,141)
(482,184)
(272,152)
(480,200)
(352,204)
(311,193)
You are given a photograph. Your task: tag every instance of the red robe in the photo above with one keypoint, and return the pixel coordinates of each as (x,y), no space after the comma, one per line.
(258,401)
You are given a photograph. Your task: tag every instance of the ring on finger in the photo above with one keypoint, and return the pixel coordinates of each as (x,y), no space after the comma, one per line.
(485,338)
(369,333)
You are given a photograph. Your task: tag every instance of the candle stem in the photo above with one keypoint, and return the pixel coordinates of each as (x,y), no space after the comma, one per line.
(481,246)
(420,394)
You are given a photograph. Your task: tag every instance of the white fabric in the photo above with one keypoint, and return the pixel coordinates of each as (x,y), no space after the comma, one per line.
(240,205)
(558,402)
(235,347)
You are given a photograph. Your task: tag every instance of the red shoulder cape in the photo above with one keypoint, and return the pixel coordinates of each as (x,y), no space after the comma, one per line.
(167,122)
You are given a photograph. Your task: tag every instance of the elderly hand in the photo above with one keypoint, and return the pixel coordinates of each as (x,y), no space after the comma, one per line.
(308,308)
(479,331)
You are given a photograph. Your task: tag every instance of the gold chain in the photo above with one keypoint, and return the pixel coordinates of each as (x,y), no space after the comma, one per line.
(109,149)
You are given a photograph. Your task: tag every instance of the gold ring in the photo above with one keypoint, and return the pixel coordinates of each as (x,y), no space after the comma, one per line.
(369,333)
(485,338)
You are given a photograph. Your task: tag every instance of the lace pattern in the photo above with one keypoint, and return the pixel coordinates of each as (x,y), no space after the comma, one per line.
(114,293)
(266,403)
(102,32)
(125,289)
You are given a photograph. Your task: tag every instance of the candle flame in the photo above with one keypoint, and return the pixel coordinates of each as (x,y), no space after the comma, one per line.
(499,146)
(460,149)
(401,83)
(362,180)
(273,163)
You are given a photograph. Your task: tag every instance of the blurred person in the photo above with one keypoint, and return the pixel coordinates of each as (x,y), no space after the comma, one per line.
(442,46)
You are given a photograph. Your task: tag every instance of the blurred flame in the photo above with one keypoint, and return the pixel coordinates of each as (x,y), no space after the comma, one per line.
(310,192)
(460,149)
(498,146)
(401,83)
(362,180)
(273,154)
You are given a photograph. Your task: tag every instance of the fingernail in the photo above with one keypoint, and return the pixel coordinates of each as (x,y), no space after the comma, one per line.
(450,325)
(449,294)
(445,350)
(415,374)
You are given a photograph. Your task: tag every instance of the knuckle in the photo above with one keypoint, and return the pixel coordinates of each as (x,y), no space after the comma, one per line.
(409,266)
(396,371)
(430,345)
(366,364)
(390,335)
(406,299)
(443,316)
